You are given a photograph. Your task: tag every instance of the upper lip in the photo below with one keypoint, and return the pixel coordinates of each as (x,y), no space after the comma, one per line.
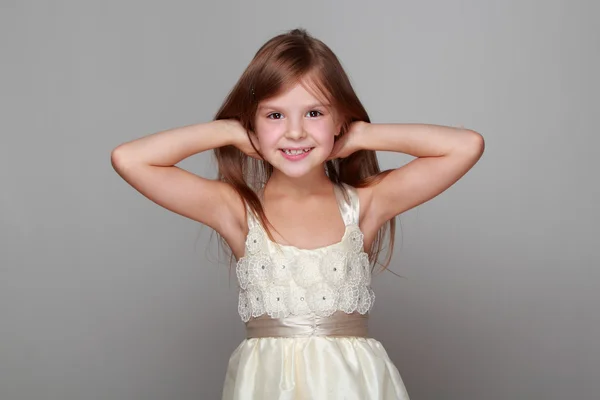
(296,148)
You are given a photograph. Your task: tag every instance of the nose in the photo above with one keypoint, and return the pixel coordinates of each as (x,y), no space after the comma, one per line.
(295,129)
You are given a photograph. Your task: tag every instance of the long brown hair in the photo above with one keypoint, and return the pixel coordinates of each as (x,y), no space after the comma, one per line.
(281,62)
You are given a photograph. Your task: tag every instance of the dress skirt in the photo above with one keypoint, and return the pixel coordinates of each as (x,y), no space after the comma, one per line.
(312,368)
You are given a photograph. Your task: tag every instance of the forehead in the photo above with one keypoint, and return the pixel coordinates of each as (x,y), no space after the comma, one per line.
(301,94)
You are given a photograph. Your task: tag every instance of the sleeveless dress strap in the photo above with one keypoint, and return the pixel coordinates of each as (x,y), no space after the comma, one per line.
(347,198)
(250,217)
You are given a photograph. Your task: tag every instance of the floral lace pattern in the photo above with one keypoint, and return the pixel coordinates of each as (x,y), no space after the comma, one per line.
(280,280)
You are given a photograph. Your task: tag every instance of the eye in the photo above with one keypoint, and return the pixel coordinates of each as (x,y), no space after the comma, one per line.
(274,114)
(315,112)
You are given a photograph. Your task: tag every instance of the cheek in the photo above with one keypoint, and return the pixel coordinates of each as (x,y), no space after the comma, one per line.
(328,141)
(267,136)
(326,135)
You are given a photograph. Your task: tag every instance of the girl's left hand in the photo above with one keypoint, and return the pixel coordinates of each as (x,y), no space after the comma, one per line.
(349,142)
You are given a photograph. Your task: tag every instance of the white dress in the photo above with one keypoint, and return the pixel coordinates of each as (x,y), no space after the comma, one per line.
(300,290)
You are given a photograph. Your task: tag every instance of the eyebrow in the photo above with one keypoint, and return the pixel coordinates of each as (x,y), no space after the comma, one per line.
(309,106)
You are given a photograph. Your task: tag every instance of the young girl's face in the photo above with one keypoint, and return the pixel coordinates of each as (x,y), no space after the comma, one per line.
(295,131)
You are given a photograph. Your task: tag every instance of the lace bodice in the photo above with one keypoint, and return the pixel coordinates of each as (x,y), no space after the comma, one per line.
(279,280)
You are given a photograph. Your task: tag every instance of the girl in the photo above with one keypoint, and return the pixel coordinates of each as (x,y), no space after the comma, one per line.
(303,206)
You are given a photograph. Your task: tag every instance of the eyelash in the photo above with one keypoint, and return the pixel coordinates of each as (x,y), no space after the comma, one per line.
(269,116)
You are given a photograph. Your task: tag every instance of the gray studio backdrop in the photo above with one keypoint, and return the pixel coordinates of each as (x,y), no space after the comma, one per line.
(106,296)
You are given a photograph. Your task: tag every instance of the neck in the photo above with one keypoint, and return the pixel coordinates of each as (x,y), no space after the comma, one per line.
(311,183)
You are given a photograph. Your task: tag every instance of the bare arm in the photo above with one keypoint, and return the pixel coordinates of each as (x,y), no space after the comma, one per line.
(148,164)
(444,154)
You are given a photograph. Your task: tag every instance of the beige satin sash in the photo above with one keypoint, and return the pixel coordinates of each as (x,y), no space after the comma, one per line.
(338,324)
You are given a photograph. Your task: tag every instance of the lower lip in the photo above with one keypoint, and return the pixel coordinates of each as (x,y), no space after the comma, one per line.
(295,157)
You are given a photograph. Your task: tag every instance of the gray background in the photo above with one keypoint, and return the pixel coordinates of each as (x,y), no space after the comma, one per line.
(104,295)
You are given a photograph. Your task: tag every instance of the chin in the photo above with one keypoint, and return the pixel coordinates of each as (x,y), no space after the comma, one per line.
(295,172)
(298,171)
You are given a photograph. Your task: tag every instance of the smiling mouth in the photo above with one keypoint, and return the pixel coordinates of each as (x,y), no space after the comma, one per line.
(296,152)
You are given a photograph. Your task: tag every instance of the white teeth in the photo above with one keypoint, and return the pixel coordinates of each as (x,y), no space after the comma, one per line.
(295,152)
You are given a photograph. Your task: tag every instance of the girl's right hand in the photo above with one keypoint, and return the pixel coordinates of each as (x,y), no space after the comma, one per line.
(242,139)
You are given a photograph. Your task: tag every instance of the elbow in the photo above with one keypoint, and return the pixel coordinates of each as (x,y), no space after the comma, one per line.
(479,142)
(475,144)
(469,145)
(119,157)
